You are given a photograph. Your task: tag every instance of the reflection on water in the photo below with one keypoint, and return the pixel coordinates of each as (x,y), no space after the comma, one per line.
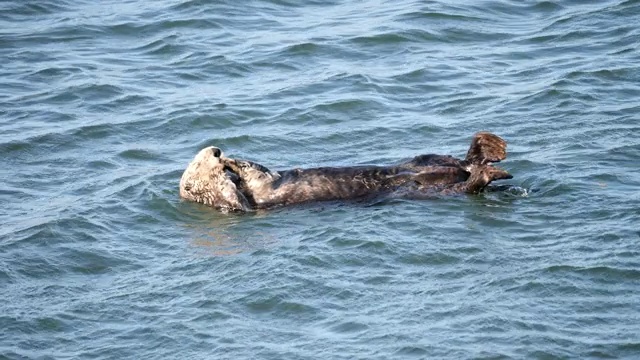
(219,234)
(229,242)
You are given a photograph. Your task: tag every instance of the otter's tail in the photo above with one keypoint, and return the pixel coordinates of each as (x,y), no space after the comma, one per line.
(486,148)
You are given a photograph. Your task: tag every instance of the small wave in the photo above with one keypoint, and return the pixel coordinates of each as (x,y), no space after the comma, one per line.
(40,8)
(624,152)
(439,15)
(89,92)
(307,48)
(346,327)
(373,246)
(190,6)
(268,302)
(548,7)
(201,24)
(606,75)
(203,123)
(429,259)
(101,165)
(139,154)
(164,46)
(508,189)
(53,73)
(561,94)
(98,131)
(604,273)
(121,103)
(158,26)
(293,57)
(464,102)
(347,105)
(385,38)
(32,148)
(413,351)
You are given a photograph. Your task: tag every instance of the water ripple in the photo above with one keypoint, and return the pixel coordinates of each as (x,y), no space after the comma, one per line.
(102,106)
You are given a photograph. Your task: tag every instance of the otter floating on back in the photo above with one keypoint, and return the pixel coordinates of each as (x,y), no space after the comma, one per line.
(240,185)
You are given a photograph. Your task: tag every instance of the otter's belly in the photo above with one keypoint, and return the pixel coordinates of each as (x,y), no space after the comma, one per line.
(326,184)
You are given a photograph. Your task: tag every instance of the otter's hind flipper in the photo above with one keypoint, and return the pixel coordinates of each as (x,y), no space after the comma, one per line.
(485,148)
(481,176)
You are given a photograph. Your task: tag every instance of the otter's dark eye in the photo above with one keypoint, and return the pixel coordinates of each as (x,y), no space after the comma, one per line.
(217,152)
(187,187)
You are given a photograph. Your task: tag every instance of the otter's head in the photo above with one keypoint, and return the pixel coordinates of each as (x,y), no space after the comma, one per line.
(206,181)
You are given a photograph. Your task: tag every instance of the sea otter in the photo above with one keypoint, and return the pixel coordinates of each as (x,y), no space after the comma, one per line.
(242,185)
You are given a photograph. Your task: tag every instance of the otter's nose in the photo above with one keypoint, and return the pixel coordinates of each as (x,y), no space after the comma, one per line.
(216,152)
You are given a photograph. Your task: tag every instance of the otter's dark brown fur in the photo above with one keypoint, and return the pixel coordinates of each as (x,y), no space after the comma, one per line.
(244,185)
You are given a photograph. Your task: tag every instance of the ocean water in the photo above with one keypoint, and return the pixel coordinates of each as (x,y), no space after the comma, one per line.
(103,104)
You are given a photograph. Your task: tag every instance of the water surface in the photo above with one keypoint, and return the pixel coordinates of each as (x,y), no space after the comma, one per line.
(103,105)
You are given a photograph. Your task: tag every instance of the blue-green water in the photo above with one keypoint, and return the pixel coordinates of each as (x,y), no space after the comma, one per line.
(103,104)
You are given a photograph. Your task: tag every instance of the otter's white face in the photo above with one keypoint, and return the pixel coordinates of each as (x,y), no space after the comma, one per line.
(206,181)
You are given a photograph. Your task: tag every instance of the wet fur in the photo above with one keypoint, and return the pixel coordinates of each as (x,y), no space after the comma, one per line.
(243,185)
(205,181)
